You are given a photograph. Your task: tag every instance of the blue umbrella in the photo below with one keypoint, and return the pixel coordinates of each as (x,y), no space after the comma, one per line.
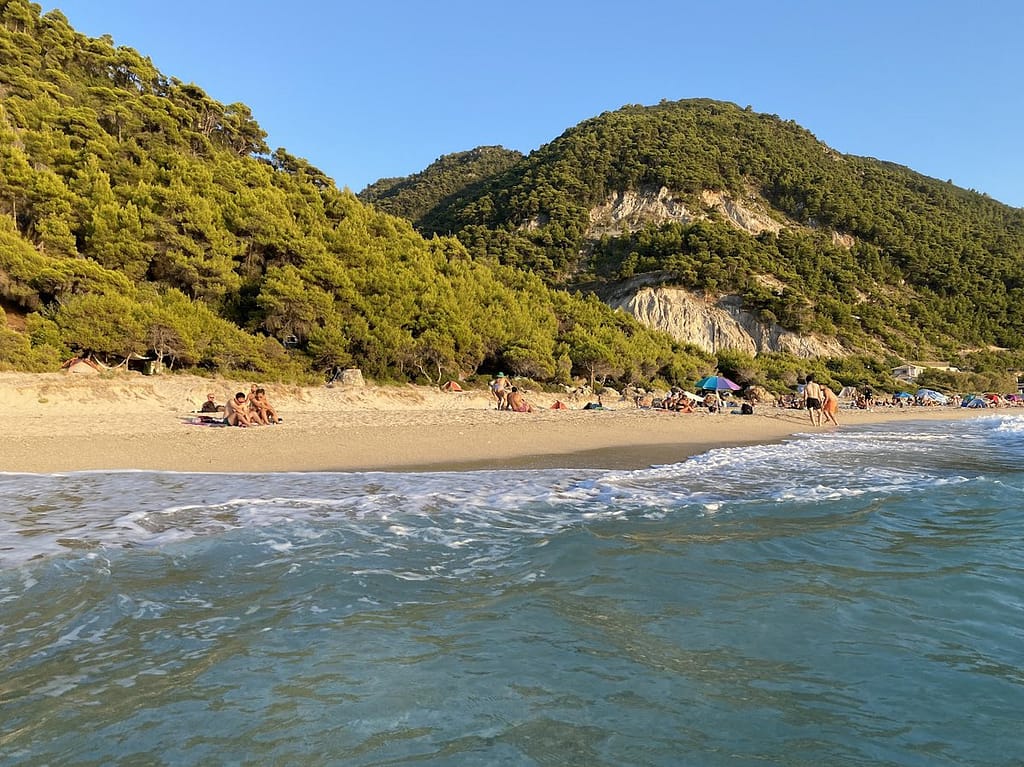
(717,383)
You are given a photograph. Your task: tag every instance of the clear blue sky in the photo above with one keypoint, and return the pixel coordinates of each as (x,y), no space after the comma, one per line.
(365,90)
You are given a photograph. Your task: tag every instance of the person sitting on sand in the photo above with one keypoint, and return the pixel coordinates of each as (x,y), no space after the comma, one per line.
(261,407)
(712,403)
(237,410)
(211,406)
(518,403)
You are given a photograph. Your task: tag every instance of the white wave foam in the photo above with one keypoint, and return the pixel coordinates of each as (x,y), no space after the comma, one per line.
(41,516)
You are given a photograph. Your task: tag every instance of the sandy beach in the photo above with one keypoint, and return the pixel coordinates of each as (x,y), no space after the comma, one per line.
(69,422)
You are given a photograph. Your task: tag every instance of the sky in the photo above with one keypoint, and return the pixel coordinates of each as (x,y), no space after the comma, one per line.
(367,90)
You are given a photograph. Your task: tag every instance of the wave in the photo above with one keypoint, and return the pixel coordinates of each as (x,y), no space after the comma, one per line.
(80,514)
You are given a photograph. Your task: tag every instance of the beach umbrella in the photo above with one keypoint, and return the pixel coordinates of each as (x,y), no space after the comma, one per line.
(717,383)
(905,395)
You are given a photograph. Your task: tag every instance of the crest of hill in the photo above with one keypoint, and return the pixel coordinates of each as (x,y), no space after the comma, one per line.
(443,183)
(723,200)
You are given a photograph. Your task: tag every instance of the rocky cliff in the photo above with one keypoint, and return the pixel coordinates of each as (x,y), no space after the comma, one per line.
(716,325)
(713,325)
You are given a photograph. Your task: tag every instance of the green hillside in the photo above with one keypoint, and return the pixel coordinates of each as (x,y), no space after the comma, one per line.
(138,215)
(443,183)
(870,252)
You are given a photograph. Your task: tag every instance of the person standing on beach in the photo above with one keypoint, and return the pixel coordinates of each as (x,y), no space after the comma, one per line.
(500,388)
(812,399)
(829,405)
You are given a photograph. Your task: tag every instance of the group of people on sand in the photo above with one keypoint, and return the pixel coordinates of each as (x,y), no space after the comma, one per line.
(508,396)
(821,402)
(253,409)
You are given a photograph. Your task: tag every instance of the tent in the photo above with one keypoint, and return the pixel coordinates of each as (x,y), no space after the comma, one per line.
(930,395)
(904,395)
(976,402)
(82,365)
(849,392)
(717,383)
(451,386)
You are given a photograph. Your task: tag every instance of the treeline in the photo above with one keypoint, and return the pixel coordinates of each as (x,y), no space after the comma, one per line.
(138,215)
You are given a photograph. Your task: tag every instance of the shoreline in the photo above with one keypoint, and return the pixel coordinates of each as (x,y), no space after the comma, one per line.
(61,423)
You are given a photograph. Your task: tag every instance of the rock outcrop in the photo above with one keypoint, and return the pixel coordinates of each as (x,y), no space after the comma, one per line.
(749,217)
(632,209)
(717,325)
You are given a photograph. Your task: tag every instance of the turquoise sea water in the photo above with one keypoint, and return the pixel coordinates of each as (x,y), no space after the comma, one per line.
(851,598)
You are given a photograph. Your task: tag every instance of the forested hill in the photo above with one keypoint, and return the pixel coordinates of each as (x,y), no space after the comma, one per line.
(139,216)
(859,249)
(442,184)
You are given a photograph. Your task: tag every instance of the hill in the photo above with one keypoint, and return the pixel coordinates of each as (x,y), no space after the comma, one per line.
(442,184)
(139,216)
(725,202)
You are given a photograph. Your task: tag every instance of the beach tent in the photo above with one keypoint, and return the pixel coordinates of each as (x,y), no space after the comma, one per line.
(717,383)
(82,365)
(451,386)
(848,392)
(932,396)
(559,405)
(977,402)
(904,395)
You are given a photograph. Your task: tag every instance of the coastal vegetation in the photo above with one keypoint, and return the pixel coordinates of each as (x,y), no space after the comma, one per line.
(141,217)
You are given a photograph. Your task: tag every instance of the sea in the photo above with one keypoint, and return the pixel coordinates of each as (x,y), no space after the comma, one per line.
(847,597)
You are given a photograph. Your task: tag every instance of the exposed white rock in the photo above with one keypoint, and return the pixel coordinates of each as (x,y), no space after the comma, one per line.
(744,216)
(716,325)
(633,209)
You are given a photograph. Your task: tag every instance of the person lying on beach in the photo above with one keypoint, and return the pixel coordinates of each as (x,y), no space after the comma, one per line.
(517,402)
(237,411)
